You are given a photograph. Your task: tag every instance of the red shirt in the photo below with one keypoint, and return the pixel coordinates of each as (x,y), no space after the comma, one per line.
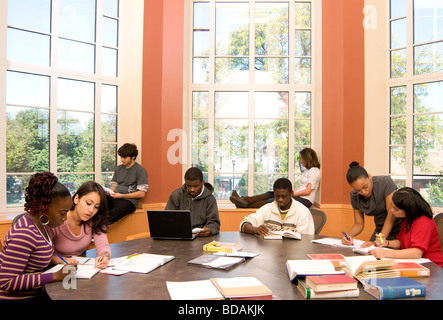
(422,235)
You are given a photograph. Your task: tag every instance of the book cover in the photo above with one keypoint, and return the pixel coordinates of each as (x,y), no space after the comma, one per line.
(217,246)
(309,293)
(394,288)
(334,282)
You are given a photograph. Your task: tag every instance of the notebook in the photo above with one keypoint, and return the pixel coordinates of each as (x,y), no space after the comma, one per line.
(170,224)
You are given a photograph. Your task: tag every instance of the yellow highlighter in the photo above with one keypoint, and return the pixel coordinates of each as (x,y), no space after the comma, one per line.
(381,238)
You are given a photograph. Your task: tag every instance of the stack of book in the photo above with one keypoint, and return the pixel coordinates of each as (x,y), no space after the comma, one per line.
(217,246)
(328,286)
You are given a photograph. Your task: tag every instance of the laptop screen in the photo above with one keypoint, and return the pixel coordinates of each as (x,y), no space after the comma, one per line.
(170,224)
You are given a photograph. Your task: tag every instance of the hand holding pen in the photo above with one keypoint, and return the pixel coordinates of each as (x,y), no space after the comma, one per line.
(381,241)
(347,240)
(102,261)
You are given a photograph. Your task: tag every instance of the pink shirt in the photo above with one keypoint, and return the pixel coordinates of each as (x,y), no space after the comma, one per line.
(68,244)
(422,235)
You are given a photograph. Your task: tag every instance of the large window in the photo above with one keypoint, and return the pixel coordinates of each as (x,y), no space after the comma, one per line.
(251,91)
(416,96)
(61,92)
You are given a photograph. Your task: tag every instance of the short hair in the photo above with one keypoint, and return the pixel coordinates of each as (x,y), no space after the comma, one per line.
(193,174)
(128,150)
(355,172)
(310,157)
(283,183)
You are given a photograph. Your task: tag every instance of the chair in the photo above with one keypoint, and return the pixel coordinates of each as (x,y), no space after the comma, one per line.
(319,219)
(18,217)
(438,218)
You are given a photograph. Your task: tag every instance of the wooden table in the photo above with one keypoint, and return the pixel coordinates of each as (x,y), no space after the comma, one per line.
(269,267)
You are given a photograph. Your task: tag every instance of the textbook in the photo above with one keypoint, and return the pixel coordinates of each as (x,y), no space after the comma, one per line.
(216,261)
(365,267)
(217,246)
(278,235)
(411,269)
(337,259)
(242,287)
(302,268)
(309,293)
(394,288)
(142,263)
(331,282)
(219,288)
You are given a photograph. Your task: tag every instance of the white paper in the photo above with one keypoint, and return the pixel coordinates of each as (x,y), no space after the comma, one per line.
(193,290)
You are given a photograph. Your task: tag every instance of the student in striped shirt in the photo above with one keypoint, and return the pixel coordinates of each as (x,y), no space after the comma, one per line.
(27,249)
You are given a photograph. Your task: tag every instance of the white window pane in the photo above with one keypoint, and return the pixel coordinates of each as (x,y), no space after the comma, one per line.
(271,104)
(428,58)
(271,70)
(428,21)
(232,70)
(201,15)
(109,99)
(24,89)
(36,16)
(110,32)
(75,95)
(28,47)
(77,19)
(271,29)
(428,97)
(397,8)
(232,28)
(110,8)
(231,104)
(76,56)
(200,73)
(109,62)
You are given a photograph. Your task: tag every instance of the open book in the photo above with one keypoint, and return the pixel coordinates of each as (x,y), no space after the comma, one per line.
(302,268)
(142,263)
(218,288)
(367,267)
(277,235)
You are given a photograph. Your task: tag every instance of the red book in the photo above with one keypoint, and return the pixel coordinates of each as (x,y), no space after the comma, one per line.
(333,282)
(336,258)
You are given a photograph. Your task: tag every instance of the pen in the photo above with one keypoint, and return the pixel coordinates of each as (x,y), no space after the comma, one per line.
(100,260)
(381,238)
(62,259)
(346,236)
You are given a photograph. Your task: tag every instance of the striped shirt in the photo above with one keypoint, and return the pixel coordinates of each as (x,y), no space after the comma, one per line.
(23,258)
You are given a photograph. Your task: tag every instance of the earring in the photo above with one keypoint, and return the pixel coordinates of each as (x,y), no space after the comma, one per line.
(45,220)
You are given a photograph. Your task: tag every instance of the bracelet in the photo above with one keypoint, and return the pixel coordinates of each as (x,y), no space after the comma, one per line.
(388,244)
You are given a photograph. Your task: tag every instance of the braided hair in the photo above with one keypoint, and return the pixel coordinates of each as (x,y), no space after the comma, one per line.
(42,188)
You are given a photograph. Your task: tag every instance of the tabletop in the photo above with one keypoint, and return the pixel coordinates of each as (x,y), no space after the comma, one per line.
(269,267)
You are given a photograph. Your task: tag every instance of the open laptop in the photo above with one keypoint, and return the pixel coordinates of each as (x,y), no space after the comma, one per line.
(170,224)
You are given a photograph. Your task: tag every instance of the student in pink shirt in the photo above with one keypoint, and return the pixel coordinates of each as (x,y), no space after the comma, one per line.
(85,221)
(418,237)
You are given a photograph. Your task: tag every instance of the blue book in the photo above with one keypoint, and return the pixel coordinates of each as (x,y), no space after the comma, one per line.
(394,288)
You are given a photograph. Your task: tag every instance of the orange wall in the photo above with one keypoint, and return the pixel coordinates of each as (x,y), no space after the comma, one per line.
(162,108)
(343,94)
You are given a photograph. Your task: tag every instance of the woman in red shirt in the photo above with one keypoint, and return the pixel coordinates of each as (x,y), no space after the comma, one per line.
(418,237)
